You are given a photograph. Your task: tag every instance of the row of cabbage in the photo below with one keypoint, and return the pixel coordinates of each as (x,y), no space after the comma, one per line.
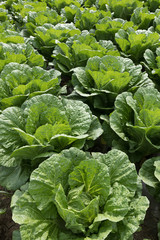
(76,76)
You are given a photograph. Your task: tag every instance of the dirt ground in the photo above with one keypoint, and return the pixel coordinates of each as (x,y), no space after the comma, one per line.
(7,226)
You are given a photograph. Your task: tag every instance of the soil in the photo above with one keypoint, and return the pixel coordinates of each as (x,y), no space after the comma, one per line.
(7,226)
(149,227)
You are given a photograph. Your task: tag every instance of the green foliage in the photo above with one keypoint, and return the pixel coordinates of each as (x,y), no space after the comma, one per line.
(150,175)
(47,36)
(86,19)
(152,65)
(22,8)
(71,194)
(123,9)
(78,49)
(20,53)
(19,82)
(107,27)
(43,125)
(134,43)
(69,12)
(136,120)
(35,19)
(58,5)
(152,4)
(104,78)
(81,197)
(142,18)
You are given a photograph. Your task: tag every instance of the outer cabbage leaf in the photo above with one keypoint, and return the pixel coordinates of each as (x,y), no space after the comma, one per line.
(79,189)
(152,4)
(136,121)
(3,14)
(156,22)
(104,78)
(150,175)
(152,64)
(20,174)
(10,36)
(148,172)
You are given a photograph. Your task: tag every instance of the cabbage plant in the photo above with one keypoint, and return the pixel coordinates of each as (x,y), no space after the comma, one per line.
(39,18)
(48,35)
(104,78)
(44,124)
(20,81)
(150,175)
(142,18)
(152,65)
(106,28)
(136,121)
(74,195)
(20,53)
(78,49)
(85,19)
(134,43)
(124,8)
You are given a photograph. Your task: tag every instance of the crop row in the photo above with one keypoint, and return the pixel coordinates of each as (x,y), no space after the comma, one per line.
(79,116)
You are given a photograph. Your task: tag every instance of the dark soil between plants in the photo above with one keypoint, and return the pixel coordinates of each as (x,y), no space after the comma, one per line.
(7,226)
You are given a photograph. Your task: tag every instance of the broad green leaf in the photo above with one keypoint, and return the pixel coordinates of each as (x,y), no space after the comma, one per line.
(134,217)
(120,168)
(70,217)
(150,58)
(16,235)
(13,101)
(60,166)
(113,210)
(11,118)
(104,230)
(61,141)
(147,172)
(157,170)
(79,117)
(20,174)
(44,133)
(28,152)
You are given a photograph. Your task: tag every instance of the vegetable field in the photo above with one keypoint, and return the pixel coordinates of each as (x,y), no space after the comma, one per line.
(80,119)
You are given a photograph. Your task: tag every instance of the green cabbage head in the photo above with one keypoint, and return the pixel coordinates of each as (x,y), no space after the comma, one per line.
(44,124)
(136,121)
(75,195)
